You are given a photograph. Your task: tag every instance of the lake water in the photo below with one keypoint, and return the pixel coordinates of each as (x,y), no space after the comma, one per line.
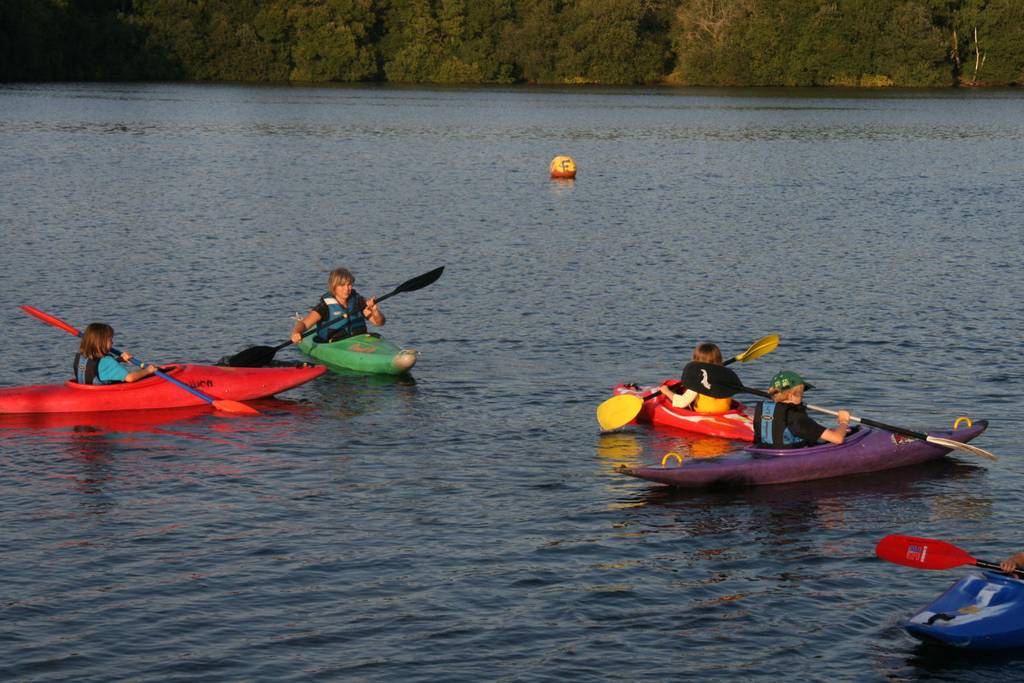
(469,525)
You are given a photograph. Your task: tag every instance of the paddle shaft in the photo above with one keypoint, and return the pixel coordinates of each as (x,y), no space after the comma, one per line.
(58,323)
(853,418)
(991,565)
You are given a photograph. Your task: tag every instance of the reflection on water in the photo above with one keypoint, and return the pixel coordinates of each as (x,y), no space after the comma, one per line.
(903,482)
(619,448)
(927,662)
(348,393)
(95,457)
(960,506)
(667,447)
(106,421)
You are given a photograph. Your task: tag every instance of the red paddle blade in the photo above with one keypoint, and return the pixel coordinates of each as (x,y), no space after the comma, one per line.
(229,406)
(50,320)
(924,553)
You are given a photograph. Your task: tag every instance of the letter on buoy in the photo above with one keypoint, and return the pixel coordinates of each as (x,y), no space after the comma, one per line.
(562,167)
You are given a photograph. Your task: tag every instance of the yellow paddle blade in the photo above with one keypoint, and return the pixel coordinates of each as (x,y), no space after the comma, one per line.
(759,348)
(618,411)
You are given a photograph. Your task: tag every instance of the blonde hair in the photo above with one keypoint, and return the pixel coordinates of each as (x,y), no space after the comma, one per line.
(96,340)
(339,276)
(706,352)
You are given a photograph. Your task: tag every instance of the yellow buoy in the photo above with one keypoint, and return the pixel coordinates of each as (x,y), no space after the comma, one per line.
(562,167)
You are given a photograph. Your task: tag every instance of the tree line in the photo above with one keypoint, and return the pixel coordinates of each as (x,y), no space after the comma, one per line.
(911,43)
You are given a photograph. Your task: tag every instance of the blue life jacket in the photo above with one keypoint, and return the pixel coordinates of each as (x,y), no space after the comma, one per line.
(86,370)
(342,320)
(770,426)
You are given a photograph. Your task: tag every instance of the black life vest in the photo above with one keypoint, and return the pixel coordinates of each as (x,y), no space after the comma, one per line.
(771,426)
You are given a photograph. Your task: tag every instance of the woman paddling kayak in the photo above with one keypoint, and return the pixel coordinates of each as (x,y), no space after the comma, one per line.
(784,423)
(94,365)
(341,312)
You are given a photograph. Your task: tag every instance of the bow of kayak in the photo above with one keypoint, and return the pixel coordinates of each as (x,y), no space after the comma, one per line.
(369,353)
(219,382)
(864,450)
(982,611)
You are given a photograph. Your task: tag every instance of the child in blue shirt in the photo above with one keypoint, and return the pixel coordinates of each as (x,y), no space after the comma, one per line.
(93,363)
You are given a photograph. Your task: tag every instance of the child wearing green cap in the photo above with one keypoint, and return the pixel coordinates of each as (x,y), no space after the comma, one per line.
(784,423)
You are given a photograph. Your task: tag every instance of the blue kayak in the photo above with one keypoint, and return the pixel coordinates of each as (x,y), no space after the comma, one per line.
(979,612)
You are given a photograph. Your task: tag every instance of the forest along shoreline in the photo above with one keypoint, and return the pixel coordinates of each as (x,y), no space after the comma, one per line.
(791,43)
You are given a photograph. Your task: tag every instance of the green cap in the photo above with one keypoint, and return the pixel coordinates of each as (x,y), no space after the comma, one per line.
(787,379)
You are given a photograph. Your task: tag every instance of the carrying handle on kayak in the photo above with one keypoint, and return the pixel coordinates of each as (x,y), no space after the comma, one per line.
(671,454)
(226,405)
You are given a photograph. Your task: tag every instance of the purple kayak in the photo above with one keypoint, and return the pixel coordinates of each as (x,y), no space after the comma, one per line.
(865,450)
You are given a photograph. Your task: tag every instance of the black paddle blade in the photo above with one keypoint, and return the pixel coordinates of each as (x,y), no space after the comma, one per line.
(711,380)
(418,282)
(254,357)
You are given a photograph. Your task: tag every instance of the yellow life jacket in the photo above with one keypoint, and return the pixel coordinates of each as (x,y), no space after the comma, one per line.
(707,404)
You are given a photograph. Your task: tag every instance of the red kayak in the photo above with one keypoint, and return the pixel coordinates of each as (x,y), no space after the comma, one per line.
(219,382)
(733,424)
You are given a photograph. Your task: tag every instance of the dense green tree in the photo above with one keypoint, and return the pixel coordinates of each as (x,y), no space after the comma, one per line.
(445,41)
(531,41)
(614,42)
(414,48)
(912,50)
(809,42)
(707,42)
(990,41)
(332,40)
(741,42)
(178,29)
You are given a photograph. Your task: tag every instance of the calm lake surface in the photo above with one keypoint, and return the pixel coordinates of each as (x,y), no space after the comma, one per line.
(469,525)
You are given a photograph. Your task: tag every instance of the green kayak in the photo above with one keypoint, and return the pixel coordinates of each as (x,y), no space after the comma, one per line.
(363,352)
